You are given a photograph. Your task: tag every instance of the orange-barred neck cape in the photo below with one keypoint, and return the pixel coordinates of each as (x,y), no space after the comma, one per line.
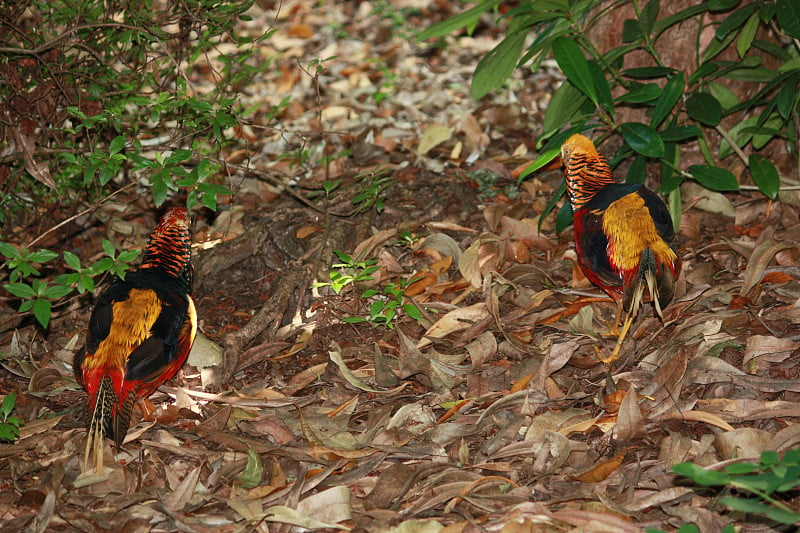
(140,333)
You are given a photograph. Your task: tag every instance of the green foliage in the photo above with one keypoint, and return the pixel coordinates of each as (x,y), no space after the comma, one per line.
(114,105)
(9,425)
(382,303)
(372,184)
(37,293)
(765,482)
(85,124)
(682,107)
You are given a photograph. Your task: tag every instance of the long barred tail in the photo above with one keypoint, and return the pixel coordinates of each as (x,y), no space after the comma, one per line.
(107,419)
(656,279)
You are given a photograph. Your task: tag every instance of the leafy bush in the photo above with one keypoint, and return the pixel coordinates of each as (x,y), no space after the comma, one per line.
(9,425)
(682,106)
(765,482)
(99,97)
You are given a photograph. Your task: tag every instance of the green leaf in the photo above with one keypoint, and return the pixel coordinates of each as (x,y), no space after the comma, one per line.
(467,18)
(551,204)
(785,100)
(672,93)
(721,5)
(116,145)
(641,93)
(210,201)
(680,133)
(42,256)
(788,15)
(704,108)
(563,107)
(55,292)
(127,256)
(541,161)
(714,178)
(412,311)
(742,468)
(9,250)
(723,95)
(41,310)
(637,170)
(72,260)
(564,217)
(648,16)
(700,475)
(108,248)
(647,73)
(764,175)
(8,404)
(495,67)
(20,290)
(643,139)
(602,88)
(747,35)
(662,24)
(735,20)
(631,31)
(751,506)
(570,58)
(253,471)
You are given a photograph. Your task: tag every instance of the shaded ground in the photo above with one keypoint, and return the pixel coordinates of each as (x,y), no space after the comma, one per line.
(487,413)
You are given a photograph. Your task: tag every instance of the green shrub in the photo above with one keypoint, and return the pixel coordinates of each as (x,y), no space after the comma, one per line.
(682,106)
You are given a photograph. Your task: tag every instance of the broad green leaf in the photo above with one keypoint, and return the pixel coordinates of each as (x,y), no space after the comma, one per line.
(704,108)
(72,260)
(764,175)
(648,16)
(42,256)
(647,73)
(636,170)
(704,71)
(788,15)
(757,74)
(739,135)
(539,162)
(8,404)
(9,250)
(570,58)
(641,93)
(747,35)
(602,88)
(735,20)
(564,105)
(672,93)
(41,310)
(785,100)
(564,217)
(723,95)
(412,311)
(461,20)
(56,291)
(721,5)
(752,506)
(680,133)
(670,177)
(714,178)
(643,139)
(662,24)
(763,134)
(715,46)
(20,290)
(742,468)
(631,31)
(108,247)
(116,145)
(495,67)
(700,475)
(675,206)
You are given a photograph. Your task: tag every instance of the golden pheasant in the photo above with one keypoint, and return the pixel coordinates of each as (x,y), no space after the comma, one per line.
(140,333)
(623,235)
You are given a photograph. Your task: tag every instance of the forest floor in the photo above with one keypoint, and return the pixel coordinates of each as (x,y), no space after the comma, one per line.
(453,387)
